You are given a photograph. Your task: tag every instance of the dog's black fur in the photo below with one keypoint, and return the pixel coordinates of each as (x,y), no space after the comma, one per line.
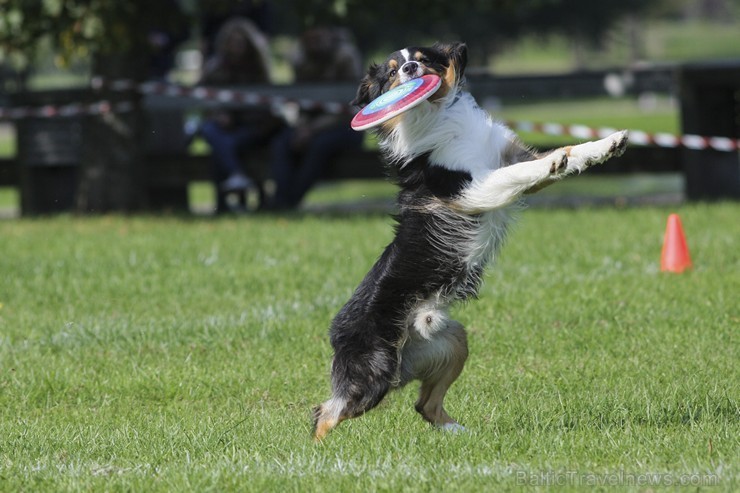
(367,332)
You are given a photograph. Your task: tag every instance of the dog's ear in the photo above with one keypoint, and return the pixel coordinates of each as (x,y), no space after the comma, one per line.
(457,54)
(368,89)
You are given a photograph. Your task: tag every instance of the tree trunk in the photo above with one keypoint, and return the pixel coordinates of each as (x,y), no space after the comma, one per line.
(635,31)
(111,178)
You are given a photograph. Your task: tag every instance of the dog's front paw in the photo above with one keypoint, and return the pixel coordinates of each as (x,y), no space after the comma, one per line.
(619,143)
(559,162)
(583,156)
(612,146)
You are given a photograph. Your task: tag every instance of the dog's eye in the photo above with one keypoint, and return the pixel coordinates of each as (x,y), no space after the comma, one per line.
(424,60)
(393,73)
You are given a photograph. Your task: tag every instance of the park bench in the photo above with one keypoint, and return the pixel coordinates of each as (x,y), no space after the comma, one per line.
(170,167)
(47,166)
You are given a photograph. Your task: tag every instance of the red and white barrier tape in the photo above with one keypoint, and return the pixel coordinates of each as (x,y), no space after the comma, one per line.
(65,110)
(637,137)
(233,96)
(249,98)
(252,98)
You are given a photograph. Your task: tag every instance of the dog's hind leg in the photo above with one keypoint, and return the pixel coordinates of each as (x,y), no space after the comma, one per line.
(359,383)
(327,416)
(436,360)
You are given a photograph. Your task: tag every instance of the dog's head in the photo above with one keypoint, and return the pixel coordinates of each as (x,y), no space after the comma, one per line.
(445,60)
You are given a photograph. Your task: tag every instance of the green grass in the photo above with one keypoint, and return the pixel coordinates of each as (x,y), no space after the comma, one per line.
(613,112)
(168,354)
(9,198)
(662,42)
(619,113)
(691,41)
(7,140)
(7,147)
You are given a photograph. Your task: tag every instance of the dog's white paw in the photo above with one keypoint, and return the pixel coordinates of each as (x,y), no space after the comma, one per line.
(619,143)
(559,162)
(453,428)
(583,156)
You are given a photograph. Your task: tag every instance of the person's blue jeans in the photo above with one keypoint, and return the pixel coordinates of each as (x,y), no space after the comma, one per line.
(227,147)
(296,172)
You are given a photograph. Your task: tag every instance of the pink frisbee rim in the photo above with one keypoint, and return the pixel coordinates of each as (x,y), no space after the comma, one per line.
(396,101)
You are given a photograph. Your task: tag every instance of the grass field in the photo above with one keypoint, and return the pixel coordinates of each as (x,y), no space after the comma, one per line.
(662,42)
(620,113)
(176,354)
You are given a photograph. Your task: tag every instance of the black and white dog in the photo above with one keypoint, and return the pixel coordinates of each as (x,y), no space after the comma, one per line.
(458,170)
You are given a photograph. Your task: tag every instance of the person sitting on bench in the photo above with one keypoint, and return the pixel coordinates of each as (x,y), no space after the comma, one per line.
(241,58)
(301,152)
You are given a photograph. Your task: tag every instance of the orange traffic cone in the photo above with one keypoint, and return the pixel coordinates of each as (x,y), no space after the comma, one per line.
(675,256)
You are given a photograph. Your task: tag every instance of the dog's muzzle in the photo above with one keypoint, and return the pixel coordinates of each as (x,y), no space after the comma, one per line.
(411,70)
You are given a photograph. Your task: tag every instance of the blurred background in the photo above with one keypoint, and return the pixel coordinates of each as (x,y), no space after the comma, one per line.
(636,64)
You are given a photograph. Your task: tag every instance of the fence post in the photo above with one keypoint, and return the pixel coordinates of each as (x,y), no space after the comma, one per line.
(112,156)
(84,161)
(710,106)
(48,153)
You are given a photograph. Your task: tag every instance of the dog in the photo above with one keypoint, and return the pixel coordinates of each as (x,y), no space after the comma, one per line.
(459,172)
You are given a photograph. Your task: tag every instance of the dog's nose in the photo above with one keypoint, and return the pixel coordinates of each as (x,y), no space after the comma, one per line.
(410,68)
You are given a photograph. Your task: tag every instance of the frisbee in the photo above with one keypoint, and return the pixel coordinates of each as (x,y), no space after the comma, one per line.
(399,99)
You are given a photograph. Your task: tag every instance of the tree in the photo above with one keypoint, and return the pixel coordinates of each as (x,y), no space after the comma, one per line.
(85,28)
(117,37)
(382,25)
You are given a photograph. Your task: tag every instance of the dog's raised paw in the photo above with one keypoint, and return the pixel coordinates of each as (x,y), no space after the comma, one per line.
(559,163)
(619,144)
